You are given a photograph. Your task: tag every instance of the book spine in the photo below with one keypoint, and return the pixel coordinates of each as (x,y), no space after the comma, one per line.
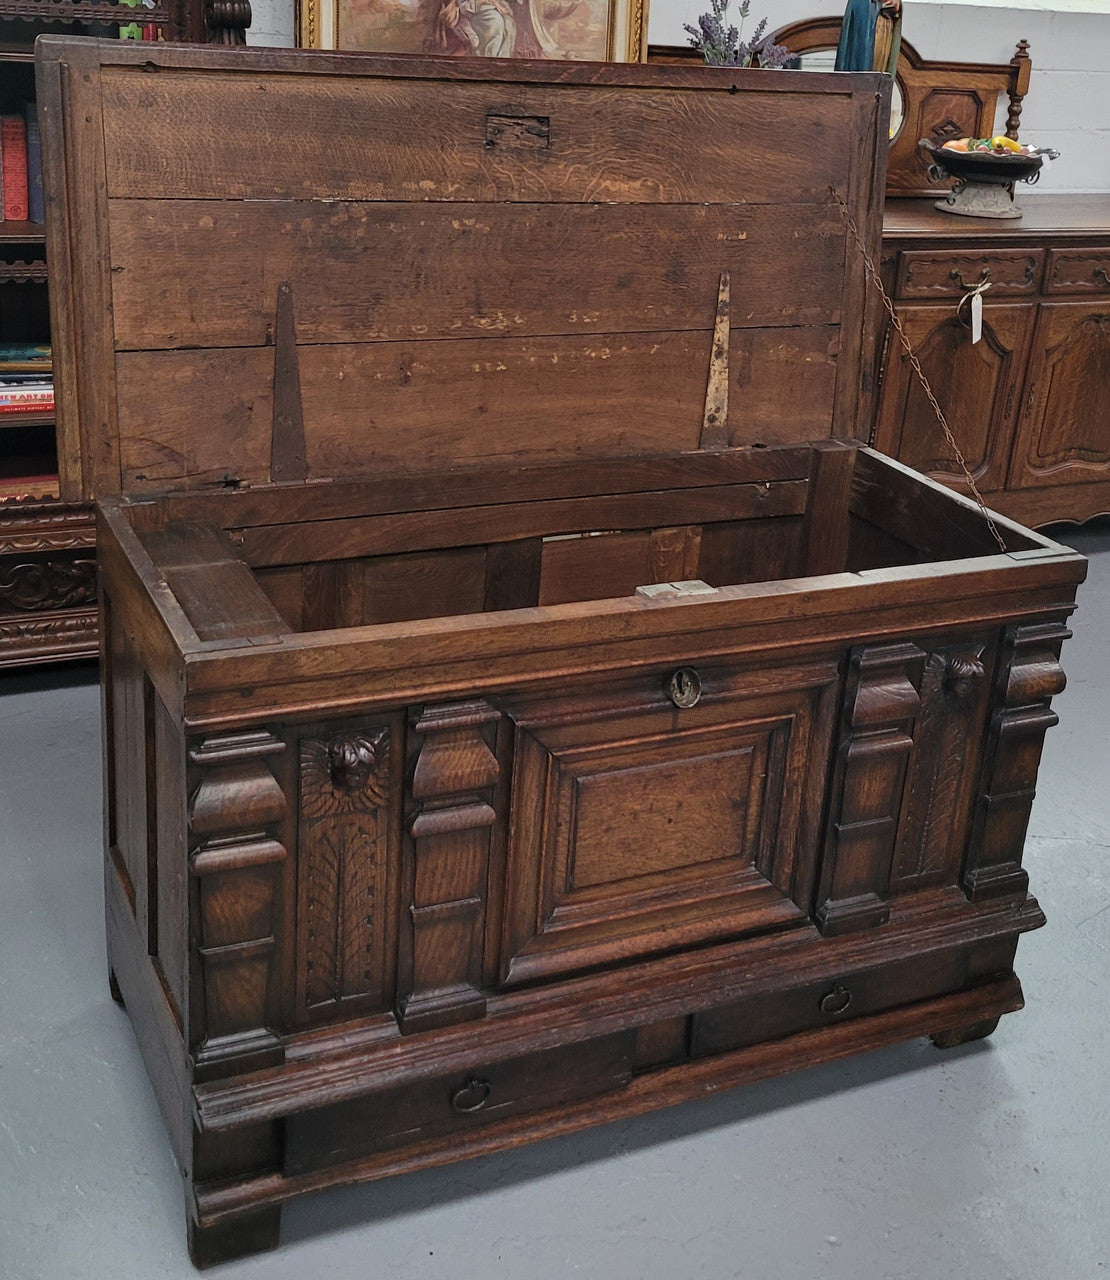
(36,205)
(12,398)
(13,161)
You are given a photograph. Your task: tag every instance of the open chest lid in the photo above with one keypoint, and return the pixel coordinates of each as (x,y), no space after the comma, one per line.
(274,267)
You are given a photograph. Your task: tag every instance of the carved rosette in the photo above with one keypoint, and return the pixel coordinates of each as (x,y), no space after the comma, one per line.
(882,700)
(454,781)
(343,857)
(1029,675)
(236,817)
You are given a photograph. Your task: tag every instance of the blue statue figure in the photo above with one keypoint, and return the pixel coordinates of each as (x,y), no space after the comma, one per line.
(870,36)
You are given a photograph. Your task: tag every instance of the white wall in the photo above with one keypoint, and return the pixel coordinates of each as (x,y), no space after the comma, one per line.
(1068,105)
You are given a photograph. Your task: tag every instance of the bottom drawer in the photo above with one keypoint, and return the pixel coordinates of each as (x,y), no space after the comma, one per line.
(835,999)
(461,1099)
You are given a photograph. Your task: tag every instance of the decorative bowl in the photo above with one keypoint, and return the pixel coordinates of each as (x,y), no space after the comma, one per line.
(983,166)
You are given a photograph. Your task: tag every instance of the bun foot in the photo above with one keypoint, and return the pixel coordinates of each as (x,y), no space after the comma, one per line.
(244,1234)
(113,988)
(962,1035)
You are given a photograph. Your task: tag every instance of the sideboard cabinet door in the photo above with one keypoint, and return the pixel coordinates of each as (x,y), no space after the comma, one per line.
(976,384)
(1063,435)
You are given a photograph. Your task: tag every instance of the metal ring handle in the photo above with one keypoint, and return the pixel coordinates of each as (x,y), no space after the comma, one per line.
(984,278)
(471,1096)
(835,1001)
(1099,273)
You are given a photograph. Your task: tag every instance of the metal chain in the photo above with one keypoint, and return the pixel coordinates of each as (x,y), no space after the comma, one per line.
(915,364)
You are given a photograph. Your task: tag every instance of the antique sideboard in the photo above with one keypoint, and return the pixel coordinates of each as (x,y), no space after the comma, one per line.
(1029,404)
(528,700)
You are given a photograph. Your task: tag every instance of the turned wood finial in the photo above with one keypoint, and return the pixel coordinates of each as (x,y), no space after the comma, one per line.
(227,21)
(1019,87)
(714,429)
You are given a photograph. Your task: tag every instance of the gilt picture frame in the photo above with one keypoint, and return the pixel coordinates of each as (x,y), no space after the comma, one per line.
(577,30)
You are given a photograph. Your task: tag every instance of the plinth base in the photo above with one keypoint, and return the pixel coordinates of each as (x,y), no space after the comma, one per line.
(981,200)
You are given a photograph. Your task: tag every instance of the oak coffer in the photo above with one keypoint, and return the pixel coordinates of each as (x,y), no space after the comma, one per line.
(527,701)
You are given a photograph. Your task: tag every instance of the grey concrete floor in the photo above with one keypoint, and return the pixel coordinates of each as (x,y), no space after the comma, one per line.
(991,1161)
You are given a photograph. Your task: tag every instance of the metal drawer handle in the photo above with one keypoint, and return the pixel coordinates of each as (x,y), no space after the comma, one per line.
(984,277)
(472,1097)
(684,688)
(1099,274)
(835,1001)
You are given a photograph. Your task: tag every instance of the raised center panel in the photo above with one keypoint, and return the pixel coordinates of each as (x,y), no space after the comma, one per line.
(639,827)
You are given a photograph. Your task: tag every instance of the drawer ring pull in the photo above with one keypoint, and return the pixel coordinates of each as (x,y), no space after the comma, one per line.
(984,278)
(471,1097)
(835,1001)
(684,688)
(1100,275)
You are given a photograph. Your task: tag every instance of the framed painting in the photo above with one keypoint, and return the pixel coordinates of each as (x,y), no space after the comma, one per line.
(579,30)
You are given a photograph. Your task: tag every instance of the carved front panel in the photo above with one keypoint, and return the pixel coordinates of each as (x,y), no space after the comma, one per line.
(1062,435)
(976,384)
(662,814)
(906,772)
(948,737)
(345,860)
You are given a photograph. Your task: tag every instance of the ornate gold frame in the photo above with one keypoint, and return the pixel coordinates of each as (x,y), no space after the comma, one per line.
(317,28)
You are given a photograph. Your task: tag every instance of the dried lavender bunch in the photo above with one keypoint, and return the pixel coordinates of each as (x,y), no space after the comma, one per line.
(721,46)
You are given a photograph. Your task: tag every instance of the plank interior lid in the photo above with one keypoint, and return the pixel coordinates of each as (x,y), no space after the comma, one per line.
(285,266)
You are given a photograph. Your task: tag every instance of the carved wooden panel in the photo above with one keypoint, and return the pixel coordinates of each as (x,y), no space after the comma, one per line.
(907,775)
(947,274)
(345,857)
(455,776)
(1062,437)
(237,818)
(638,827)
(1029,675)
(948,735)
(47,581)
(1082,271)
(975,383)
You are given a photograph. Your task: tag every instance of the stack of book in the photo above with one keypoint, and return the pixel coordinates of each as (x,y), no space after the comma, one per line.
(26,383)
(21,167)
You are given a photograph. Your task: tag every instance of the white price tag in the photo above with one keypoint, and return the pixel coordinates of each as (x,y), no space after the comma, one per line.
(974,299)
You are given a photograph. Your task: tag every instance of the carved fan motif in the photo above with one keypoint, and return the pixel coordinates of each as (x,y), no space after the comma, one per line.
(344,774)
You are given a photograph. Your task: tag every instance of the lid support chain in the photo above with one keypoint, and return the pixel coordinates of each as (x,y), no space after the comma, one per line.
(287,447)
(714,428)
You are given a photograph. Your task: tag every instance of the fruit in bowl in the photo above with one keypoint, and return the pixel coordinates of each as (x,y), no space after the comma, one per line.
(999,145)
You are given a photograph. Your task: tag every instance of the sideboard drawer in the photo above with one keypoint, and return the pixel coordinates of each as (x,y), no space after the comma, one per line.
(1082,271)
(830,999)
(456,1101)
(925,274)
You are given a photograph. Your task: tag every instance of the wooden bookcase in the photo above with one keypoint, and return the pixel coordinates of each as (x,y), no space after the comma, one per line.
(47,546)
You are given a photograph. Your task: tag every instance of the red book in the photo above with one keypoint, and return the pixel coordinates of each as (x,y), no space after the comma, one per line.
(13,157)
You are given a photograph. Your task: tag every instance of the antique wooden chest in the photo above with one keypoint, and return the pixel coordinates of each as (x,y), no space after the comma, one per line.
(527,703)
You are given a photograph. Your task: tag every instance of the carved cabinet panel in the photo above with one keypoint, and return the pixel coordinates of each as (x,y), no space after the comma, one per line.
(976,384)
(1063,435)
(644,819)
(906,775)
